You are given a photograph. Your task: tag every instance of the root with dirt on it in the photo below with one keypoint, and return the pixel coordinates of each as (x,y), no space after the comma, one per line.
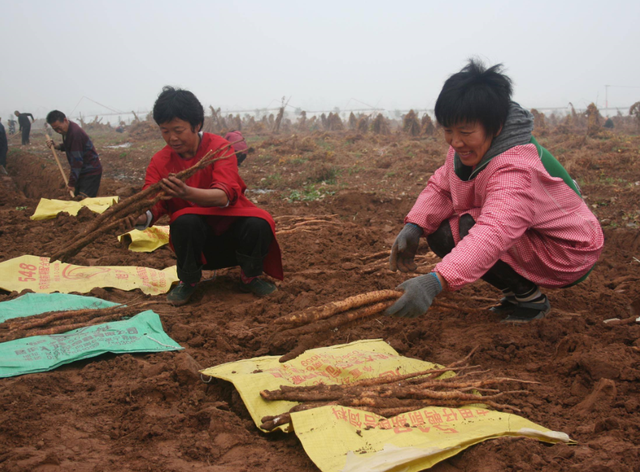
(330,309)
(62,321)
(325,318)
(392,395)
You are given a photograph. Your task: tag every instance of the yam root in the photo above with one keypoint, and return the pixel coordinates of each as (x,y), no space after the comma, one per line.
(330,309)
(135,205)
(76,246)
(339,313)
(382,406)
(62,321)
(306,342)
(121,208)
(313,314)
(47,318)
(392,395)
(20,333)
(339,320)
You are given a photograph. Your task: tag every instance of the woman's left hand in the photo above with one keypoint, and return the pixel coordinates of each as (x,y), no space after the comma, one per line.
(174,187)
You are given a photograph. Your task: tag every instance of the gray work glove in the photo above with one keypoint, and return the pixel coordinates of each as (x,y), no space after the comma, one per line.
(404,249)
(419,293)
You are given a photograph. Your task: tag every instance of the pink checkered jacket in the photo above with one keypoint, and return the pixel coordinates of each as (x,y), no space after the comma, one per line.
(532,221)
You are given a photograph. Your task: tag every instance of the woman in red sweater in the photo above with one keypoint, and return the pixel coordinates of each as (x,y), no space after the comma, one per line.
(213,224)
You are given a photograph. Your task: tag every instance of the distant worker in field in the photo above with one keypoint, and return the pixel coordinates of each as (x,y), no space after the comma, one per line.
(239,145)
(213,224)
(12,126)
(500,209)
(25,125)
(86,168)
(4,147)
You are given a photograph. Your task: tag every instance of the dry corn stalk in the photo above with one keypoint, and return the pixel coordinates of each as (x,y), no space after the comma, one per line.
(113,217)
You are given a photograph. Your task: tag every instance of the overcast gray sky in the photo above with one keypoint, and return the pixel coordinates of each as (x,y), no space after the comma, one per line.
(249,54)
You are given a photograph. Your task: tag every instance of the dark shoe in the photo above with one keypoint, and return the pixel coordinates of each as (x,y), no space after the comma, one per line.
(259,287)
(181,293)
(506,306)
(528,311)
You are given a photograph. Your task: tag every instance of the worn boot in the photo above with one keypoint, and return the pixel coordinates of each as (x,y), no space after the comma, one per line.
(506,306)
(181,293)
(252,284)
(259,287)
(525,312)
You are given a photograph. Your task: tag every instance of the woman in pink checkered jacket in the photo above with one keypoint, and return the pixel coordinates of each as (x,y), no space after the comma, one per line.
(500,209)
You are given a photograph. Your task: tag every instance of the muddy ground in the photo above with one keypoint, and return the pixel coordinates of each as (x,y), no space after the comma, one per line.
(153,413)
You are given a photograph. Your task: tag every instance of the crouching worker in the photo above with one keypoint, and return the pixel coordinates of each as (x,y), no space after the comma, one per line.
(213,224)
(241,147)
(500,209)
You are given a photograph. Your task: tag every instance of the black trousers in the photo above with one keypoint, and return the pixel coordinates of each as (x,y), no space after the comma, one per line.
(88,185)
(26,130)
(245,244)
(3,157)
(241,156)
(501,275)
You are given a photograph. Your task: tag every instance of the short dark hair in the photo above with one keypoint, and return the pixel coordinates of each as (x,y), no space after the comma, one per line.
(55,115)
(177,103)
(475,94)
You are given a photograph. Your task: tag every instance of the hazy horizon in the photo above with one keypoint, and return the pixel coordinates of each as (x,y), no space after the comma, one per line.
(68,55)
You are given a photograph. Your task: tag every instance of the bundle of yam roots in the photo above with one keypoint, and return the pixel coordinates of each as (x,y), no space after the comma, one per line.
(385,396)
(390,396)
(311,326)
(56,322)
(115,218)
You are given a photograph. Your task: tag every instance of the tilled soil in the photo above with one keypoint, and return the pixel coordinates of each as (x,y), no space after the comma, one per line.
(153,412)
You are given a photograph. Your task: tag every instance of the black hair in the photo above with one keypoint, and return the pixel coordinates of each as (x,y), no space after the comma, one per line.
(177,103)
(55,115)
(475,94)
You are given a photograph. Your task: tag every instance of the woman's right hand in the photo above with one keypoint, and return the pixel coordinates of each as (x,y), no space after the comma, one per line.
(129,222)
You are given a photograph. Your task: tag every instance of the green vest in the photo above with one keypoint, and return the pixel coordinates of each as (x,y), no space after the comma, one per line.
(554,168)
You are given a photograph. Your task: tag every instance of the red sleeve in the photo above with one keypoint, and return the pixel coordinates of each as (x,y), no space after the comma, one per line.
(225,176)
(153,176)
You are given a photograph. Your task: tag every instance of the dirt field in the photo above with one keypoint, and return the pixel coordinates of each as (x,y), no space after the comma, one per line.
(153,413)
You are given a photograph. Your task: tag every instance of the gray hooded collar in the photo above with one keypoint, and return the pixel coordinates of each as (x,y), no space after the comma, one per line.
(515,132)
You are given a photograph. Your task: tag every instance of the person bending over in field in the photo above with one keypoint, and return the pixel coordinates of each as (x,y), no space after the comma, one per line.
(500,209)
(25,125)
(213,224)
(86,168)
